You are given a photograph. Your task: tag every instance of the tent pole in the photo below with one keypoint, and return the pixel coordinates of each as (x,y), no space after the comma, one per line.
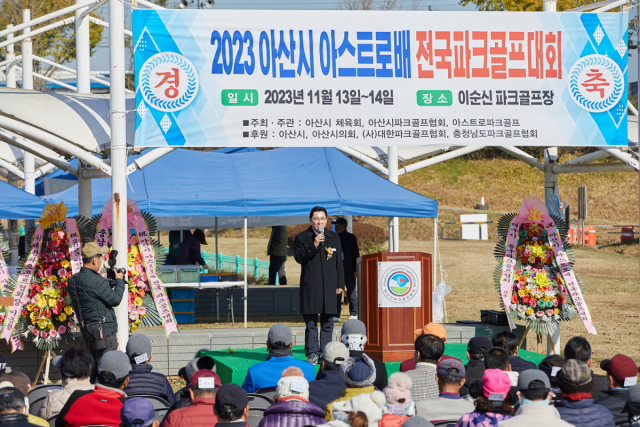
(246,285)
(394,223)
(435,254)
(217,263)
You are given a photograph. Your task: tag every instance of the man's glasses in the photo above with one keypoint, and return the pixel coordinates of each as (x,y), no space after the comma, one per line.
(319,219)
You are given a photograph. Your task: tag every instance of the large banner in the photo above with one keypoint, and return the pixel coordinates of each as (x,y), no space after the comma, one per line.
(324,78)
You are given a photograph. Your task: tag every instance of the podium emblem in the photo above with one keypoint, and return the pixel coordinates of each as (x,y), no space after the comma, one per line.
(399,284)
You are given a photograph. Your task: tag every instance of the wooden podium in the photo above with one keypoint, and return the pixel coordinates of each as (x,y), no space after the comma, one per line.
(390,331)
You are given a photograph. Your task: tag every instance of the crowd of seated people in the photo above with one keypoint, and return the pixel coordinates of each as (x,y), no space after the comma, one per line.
(496,387)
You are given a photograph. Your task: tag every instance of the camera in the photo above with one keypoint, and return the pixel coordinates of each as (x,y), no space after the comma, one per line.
(111,270)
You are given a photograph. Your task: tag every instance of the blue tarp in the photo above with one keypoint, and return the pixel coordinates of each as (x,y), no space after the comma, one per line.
(279,182)
(17,204)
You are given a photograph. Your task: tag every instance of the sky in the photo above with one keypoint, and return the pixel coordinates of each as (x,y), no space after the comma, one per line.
(100,59)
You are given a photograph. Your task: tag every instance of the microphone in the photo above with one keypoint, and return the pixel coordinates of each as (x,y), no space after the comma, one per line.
(321,231)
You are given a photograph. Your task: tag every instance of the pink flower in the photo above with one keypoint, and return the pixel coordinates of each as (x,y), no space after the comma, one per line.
(132,308)
(550,312)
(56,310)
(71,325)
(53,333)
(533,303)
(555,302)
(143,276)
(62,273)
(539,313)
(142,311)
(43,334)
(60,255)
(48,271)
(39,274)
(520,285)
(62,329)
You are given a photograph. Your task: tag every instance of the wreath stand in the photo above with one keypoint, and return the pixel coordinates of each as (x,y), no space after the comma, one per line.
(46,363)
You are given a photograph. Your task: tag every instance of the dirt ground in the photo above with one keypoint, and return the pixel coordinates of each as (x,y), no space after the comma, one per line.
(610,279)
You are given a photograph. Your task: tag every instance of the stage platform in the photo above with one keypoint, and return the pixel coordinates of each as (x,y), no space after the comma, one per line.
(232,365)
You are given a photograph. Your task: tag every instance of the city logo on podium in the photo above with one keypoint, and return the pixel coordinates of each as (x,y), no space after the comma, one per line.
(596,83)
(168,82)
(399,284)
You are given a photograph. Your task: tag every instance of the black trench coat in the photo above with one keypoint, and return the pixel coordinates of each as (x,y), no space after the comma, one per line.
(320,277)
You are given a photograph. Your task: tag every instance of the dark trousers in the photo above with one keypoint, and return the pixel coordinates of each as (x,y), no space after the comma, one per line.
(108,344)
(311,332)
(276,265)
(351,297)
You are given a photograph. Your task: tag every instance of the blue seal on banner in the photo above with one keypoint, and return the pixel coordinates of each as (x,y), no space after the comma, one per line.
(596,83)
(168,82)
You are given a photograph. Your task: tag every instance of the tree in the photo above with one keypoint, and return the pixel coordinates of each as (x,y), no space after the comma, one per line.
(522,5)
(373,5)
(58,44)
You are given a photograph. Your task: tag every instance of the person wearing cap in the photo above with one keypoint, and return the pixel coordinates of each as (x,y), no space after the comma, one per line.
(102,405)
(474,370)
(448,405)
(354,336)
(138,412)
(358,373)
(428,351)
(19,379)
(417,421)
(622,373)
(277,251)
(292,408)
(280,357)
(203,389)
(632,406)
(351,253)
(509,341)
(431,328)
(551,365)
(231,406)
(76,366)
(141,379)
(498,358)
(93,301)
(579,348)
(329,383)
(494,405)
(534,406)
(575,379)
(13,409)
(319,253)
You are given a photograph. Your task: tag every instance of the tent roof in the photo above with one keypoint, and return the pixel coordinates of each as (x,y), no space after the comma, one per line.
(280,182)
(18,204)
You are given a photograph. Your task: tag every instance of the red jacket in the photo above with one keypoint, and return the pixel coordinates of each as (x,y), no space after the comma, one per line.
(92,407)
(198,414)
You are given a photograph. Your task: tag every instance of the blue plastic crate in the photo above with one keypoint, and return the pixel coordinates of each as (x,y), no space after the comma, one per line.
(208,278)
(182,293)
(185,318)
(183,306)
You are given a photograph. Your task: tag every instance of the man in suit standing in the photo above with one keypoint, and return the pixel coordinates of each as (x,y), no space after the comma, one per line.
(349,244)
(319,252)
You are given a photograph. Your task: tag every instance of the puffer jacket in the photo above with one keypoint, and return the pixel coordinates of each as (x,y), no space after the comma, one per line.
(277,245)
(615,402)
(96,298)
(392,420)
(585,413)
(143,381)
(292,413)
(56,399)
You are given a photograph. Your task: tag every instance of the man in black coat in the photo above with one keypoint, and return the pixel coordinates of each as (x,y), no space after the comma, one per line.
(319,253)
(349,243)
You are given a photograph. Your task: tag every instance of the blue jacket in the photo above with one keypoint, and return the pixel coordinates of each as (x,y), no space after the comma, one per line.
(143,381)
(585,413)
(615,402)
(326,388)
(267,374)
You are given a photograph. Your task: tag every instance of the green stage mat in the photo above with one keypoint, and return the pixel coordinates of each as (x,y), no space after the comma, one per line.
(232,365)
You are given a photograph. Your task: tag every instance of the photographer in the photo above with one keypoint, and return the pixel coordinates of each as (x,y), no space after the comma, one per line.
(93,300)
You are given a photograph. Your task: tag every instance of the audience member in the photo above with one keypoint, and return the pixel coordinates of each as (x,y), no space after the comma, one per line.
(632,407)
(449,405)
(138,412)
(76,366)
(293,408)
(474,370)
(498,358)
(431,328)
(266,374)
(551,365)
(354,336)
(534,405)
(417,422)
(358,373)
(102,405)
(509,341)
(494,405)
(25,392)
(19,379)
(329,383)
(579,348)
(231,406)
(202,388)
(575,379)
(622,373)
(399,406)
(428,350)
(13,409)
(475,391)
(141,379)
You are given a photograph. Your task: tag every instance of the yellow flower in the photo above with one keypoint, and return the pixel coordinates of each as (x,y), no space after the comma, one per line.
(521,293)
(42,322)
(529,311)
(68,310)
(537,251)
(137,301)
(134,252)
(42,303)
(542,279)
(137,322)
(53,302)
(53,278)
(30,306)
(556,311)
(132,327)
(50,326)
(33,318)
(62,317)
(65,263)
